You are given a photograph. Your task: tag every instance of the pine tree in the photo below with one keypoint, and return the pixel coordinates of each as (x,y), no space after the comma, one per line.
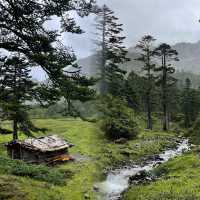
(146,50)
(174,102)
(187,103)
(165,79)
(17,89)
(134,91)
(80,89)
(111,52)
(190,104)
(23,30)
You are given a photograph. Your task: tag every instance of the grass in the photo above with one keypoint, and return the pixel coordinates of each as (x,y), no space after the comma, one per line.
(10,190)
(90,142)
(37,172)
(180,181)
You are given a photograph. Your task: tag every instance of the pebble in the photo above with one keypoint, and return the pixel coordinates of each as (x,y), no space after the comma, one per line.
(96,188)
(87,196)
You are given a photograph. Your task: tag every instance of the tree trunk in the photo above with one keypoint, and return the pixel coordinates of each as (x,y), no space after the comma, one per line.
(149,118)
(103,86)
(187,120)
(15,131)
(164,96)
(149,122)
(164,118)
(69,106)
(168,120)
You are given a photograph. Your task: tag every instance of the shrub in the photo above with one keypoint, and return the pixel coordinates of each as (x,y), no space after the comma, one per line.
(194,132)
(119,120)
(37,172)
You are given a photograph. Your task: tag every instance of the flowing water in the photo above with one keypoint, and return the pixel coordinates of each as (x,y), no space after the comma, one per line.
(117,181)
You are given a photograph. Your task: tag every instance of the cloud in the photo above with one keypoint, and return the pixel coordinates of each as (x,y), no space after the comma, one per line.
(169,21)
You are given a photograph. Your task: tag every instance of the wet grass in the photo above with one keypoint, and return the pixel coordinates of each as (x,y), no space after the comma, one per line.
(90,142)
(10,189)
(180,181)
(37,172)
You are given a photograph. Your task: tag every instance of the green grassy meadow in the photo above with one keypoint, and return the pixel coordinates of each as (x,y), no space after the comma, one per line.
(76,178)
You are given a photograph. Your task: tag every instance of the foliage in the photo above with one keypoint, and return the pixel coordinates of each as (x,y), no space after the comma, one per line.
(174,102)
(190,104)
(146,50)
(134,91)
(120,121)
(111,52)
(38,172)
(17,89)
(77,88)
(84,110)
(165,80)
(181,76)
(194,133)
(24,33)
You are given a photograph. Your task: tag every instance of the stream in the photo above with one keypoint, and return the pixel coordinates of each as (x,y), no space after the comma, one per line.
(117,181)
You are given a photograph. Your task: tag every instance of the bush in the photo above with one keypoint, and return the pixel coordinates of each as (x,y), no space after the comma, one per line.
(119,120)
(178,118)
(194,132)
(37,172)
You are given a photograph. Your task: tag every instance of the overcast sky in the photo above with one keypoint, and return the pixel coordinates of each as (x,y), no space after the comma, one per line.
(168,20)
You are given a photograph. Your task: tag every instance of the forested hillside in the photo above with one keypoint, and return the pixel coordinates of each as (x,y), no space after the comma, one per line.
(188,54)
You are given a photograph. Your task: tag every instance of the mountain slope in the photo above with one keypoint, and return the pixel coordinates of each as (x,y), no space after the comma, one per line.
(90,66)
(189,54)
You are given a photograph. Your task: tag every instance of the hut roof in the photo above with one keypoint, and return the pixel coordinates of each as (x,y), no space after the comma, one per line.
(45,144)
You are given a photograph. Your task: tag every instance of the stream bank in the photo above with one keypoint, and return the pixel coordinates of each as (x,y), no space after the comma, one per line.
(117,181)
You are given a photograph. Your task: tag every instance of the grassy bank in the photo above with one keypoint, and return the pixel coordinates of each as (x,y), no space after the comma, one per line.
(180,181)
(91,144)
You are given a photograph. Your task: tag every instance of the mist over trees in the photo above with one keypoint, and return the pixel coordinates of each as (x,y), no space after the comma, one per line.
(110,51)
(145,46)
(165,79)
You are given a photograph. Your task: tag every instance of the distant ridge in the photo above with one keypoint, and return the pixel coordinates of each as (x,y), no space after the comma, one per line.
(189,54)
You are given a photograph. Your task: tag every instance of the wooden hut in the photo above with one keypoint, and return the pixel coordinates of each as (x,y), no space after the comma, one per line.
(48,149)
